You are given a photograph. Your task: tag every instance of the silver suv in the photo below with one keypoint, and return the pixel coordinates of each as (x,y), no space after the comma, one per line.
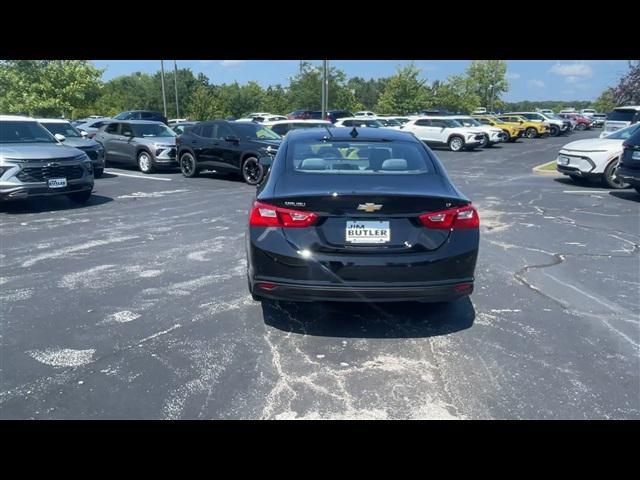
(147,144)
(33,163)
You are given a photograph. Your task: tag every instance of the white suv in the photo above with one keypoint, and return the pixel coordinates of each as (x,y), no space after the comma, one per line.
(445,131)
(493,134)
(619,118)
(364,113)
(595,157)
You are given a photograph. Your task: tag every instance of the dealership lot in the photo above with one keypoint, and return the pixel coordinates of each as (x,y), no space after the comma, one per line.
(136,306)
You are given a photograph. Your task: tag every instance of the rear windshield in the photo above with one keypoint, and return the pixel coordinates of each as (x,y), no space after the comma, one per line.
(358,157)
(621,115)
(253,131)
(24,132)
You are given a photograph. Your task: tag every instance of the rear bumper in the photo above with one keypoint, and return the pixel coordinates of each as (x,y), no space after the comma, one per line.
(307,292)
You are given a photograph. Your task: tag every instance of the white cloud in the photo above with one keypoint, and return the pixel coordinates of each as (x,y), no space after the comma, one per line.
(572,70)
(513,76)
(536,83)
(232,63)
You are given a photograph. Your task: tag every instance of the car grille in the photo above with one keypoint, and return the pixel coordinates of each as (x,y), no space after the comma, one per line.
(40,174)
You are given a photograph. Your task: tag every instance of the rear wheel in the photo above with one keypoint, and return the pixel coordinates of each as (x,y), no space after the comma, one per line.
(610,178)
(145,164)
(485,141)
(80,197)
(97,173)
(456,144)
(188,165)
(581,127)
(531,132)
(554,131)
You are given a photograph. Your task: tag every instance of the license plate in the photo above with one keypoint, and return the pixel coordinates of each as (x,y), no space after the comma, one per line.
(563,160)
(360,231)
(57,182)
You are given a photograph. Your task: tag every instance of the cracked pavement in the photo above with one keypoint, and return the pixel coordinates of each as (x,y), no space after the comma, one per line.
(136,306)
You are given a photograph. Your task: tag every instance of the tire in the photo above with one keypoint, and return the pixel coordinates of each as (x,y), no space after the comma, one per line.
(145,162)
(251,171)
(97,173)
(531,132)
(80,197)
(188,165)
(581,126)
(609,177)
(456,144)
(554,131)
(637,189)
(485,142)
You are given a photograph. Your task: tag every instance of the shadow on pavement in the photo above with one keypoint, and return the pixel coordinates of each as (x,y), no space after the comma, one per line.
(380,320)
(50,204)
(627,195)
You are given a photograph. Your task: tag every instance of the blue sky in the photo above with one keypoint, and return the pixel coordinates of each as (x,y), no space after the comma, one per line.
(529,79)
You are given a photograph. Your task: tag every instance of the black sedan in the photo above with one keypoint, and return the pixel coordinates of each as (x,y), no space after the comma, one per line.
(224,146)
(363,214)
(629,166)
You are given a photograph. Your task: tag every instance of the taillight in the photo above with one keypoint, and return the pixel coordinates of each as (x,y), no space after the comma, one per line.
(265,215)
(454,218)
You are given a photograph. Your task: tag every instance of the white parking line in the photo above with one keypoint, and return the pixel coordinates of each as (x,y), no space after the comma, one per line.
(145,177)
(588,191)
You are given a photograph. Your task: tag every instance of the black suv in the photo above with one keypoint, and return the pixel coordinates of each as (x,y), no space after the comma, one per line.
(629,166)
(141,115)
(224,146)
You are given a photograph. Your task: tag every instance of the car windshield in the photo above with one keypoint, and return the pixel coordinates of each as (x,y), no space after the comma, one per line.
(392,122)
(254,131)
(62,128)
(122,116)
(24,132)
(152,130)
(624,133)
(469,122)
(497,120)
(358,157)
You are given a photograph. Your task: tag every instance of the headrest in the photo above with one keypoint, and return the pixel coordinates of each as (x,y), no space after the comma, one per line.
(313,164)
(394,164)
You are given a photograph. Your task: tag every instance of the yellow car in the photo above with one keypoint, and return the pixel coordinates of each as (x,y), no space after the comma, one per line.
(531,129)
(513,130)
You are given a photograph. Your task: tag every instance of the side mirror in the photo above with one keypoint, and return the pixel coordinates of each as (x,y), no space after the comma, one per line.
(232,139)
(60,137)
(84,134)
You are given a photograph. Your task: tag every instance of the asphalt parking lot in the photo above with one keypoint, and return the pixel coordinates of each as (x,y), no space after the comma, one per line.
(136,306)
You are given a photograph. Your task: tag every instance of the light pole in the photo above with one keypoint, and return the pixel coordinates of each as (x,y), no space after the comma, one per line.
(164,97)
(175,80)
(325,88)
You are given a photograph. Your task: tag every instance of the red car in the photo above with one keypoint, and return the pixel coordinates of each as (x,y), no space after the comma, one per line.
(580,122)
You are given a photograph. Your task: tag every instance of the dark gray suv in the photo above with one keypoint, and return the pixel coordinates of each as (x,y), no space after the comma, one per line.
(149,145)
(33,163)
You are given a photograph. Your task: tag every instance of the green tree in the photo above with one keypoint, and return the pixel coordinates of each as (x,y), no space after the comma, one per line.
(276,100)
(206,104)
(366,92)
(489,80)
(48,87)
(404,92)
(606,101)
(129,92)
(457,94)
(305,89)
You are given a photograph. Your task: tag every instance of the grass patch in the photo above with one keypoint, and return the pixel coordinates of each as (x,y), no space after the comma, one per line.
(547,167)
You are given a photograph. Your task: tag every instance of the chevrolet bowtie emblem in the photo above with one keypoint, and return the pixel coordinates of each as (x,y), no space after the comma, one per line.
(369,207)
